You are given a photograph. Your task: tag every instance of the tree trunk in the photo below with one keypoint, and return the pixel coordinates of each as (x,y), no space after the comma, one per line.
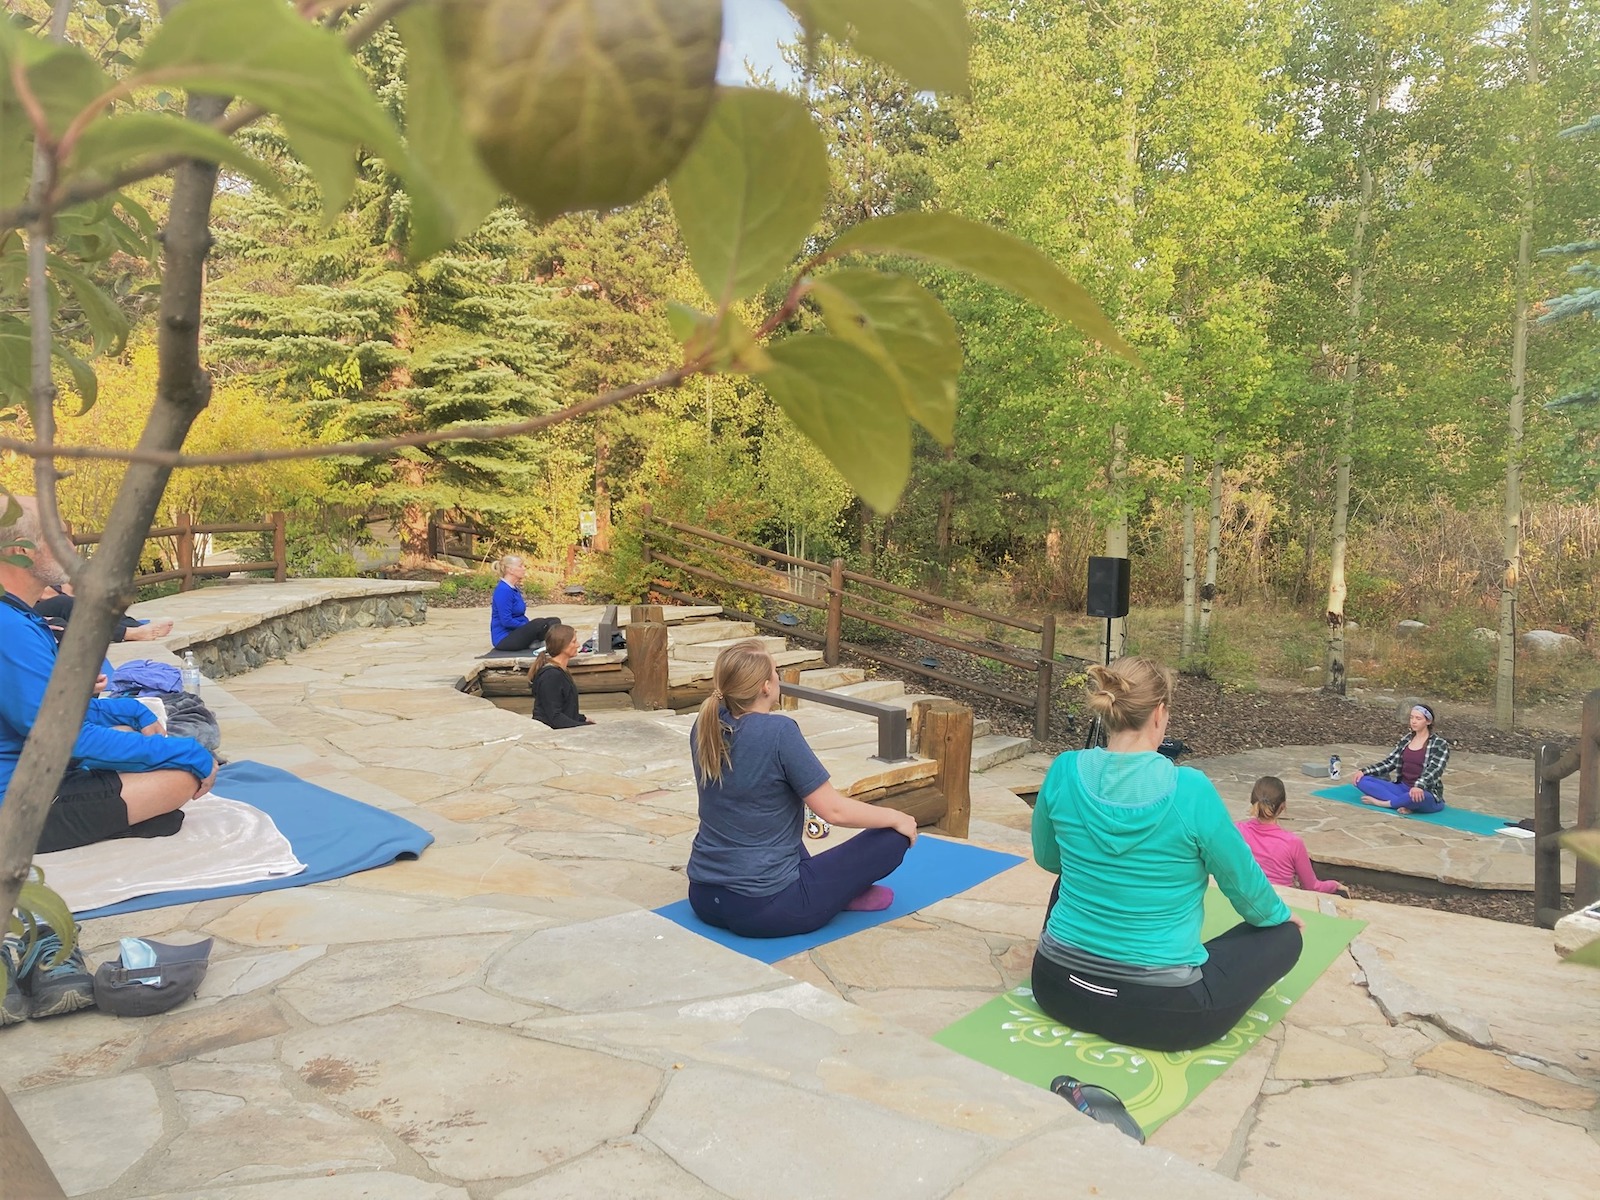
(1186,649)
(1506,663)
(602,487)
(1117,527)
(1335,679)
(1208,592)
(104,587)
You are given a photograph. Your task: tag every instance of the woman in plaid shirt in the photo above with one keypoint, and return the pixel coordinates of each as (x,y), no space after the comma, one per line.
(1417,764)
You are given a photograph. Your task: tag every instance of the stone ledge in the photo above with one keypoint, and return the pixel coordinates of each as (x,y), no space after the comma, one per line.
(248,646)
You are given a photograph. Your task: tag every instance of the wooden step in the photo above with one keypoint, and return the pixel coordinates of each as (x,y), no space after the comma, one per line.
(708,651)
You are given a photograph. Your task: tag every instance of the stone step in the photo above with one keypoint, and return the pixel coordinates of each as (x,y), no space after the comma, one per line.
(981,726)
(997,748)
(828,678)
(886,690)
(708,651)
(696,632)
(681,671)
(802,657)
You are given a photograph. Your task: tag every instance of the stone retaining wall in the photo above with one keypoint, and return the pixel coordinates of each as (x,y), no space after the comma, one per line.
(277,636)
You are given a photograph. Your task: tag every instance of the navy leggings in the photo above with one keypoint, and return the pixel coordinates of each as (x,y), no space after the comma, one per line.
(828,881)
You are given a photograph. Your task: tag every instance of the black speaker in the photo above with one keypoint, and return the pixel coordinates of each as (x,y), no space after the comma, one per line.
(1108,587)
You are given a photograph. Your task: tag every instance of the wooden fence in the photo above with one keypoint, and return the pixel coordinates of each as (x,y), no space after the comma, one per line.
(734,565)
(457,539)
(1550,767)
(183,535)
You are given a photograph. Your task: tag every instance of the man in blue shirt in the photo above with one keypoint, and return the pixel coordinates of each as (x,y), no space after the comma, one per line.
(125,778)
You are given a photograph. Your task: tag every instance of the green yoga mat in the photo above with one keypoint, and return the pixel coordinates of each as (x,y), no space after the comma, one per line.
(1463,819)
(1010,1034)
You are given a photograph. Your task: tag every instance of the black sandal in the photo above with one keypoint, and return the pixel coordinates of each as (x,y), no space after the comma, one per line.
(1097,1102)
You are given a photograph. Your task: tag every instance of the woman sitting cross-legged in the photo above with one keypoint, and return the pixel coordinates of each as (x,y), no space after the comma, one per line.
(509,627)
(1134,839)
(1417,763)
(748,871)
(555,696)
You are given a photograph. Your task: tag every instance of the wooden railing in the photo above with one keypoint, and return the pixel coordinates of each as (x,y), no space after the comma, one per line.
(459,539)
(183,534)
(1550,767)
(734,565)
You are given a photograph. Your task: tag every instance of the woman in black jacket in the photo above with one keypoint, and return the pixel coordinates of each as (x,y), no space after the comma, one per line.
(555,696)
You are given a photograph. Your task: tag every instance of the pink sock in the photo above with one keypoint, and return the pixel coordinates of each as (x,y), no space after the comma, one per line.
(875,899)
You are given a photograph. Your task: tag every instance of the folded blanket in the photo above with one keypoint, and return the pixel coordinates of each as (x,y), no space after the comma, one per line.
(222,842)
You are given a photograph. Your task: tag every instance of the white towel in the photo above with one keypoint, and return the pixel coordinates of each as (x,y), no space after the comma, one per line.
(222,842)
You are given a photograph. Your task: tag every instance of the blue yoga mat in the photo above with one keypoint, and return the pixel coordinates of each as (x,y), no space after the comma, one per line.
(934,869)
(332,834)
(1453,818)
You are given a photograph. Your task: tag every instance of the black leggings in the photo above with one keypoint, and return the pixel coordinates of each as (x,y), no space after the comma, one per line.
(1245,961)
(524,636)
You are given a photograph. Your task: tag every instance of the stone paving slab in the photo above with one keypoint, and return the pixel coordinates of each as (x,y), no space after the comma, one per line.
(501,1019)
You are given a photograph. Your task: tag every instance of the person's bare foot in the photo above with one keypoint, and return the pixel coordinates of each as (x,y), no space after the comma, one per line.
(1404,812)
(1374,801)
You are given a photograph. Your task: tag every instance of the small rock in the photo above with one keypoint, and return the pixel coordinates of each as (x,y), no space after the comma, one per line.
(1486,635)
(1547,641)
(1409,628)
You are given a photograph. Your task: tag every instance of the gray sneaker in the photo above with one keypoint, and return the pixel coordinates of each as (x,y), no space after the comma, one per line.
(56,987)
(16,1006)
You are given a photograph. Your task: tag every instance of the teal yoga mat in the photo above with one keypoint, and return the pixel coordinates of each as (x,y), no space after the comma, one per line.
(1011,1034)
(1452,818)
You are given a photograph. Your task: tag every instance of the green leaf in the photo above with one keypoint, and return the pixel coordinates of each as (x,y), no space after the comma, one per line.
(905,328)
(459,192)
(113,141)
(989,254)
(849,406)
(16,376)
(262,52)
(108,324)
(579,105)
(84,381)
(332,163)
(926,41)
(686,321)
(65,81)
(44,905)
(1587,955)
(750,191)
(1583,842)
(730,342)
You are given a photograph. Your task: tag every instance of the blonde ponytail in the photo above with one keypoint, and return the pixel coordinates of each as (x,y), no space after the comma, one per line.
(1125,694)
(735,684)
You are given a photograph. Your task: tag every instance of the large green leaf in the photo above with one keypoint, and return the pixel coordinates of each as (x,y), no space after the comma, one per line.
(332,163)
(108,324)
(261,51)
(989,254)
(1583,842)
(459,193)
(16,375)
(849,406)
(924,40)
(750,191)
(902,325)
(576,105)
(113,141)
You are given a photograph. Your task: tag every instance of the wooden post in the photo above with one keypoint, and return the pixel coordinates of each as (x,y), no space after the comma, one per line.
(830,652)
(1547,831)
(789,675)
(186,551)
(23,1170)
(647,658)
(638,614)
(1047,662)
(280,548)
(1586,888)
(944,734)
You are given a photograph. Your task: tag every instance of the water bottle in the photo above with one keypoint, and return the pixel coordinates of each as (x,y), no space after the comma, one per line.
(1333,766)
(190,673)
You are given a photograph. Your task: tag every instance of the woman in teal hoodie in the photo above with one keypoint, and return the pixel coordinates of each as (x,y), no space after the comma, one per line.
(1135,839)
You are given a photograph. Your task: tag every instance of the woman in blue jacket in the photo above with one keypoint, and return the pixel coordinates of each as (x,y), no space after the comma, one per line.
(509,627)
(1135,839)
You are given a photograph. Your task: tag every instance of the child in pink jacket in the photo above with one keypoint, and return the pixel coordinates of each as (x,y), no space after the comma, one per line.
(1281,854)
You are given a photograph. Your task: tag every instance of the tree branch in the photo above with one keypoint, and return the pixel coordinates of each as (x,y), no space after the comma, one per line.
(170,459)
(372,19)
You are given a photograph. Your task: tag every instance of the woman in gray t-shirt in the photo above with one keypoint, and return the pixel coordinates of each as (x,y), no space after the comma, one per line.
(748,871)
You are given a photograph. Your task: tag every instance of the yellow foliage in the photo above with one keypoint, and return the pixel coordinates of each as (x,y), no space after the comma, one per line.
(239,417)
